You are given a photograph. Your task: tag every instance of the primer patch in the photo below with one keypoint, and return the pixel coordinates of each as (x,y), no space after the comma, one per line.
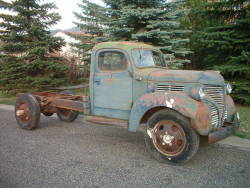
(170,103)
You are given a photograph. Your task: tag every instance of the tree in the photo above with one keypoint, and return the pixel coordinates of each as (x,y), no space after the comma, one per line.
(25,62)
(91,21)
(4,4)
(226,43)
(150,21)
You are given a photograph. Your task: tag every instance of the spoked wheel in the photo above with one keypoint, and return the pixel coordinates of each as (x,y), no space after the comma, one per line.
(27,111)
(170,137)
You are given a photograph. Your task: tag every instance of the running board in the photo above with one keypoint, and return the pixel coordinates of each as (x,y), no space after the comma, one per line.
(106,121)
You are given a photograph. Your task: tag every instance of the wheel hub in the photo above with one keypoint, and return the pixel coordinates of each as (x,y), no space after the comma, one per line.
(167,138)
(23,112)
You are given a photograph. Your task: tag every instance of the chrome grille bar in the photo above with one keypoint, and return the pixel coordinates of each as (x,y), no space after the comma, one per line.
(214,115)
(217,94)
(162,87)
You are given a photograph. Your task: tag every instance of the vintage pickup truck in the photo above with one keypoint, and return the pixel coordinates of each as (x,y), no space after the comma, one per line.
(130,85)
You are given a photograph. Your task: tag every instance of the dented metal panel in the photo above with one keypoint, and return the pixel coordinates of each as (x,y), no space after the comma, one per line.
(136,93)
(111,90)
(180,102)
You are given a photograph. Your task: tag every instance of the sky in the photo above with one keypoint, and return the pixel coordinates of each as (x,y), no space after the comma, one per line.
(65,9)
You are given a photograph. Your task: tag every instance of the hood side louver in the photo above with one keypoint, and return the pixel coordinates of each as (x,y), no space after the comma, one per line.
(162,87)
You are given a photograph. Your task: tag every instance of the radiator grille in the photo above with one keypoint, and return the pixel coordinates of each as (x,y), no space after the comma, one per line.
(162,87)
(217,94)
(214,115)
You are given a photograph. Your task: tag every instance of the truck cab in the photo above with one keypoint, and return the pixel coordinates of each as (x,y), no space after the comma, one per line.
(131,83)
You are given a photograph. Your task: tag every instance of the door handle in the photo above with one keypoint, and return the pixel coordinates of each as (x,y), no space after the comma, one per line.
(97,80)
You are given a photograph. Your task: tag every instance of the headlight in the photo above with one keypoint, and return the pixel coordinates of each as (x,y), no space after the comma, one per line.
(196,92)
(201,93)
(229,88)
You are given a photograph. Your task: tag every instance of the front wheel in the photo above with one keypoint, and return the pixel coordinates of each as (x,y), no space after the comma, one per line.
(170,138)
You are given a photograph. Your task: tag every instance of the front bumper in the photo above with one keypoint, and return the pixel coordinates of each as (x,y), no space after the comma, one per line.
(224,131)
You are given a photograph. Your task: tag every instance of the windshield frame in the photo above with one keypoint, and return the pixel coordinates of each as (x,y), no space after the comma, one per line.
(151,49)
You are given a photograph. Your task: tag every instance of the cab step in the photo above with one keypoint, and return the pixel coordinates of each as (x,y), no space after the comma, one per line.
(106,121)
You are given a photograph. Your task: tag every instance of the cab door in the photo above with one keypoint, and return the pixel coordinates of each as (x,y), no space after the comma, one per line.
(112,84)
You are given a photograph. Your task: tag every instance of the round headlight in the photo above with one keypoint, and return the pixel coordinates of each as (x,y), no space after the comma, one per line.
(229,88)
(201,93)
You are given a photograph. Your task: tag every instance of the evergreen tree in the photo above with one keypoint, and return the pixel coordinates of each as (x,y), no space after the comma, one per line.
(91,21)
(226,45)
(3,4)
(152,21)
(195,22)
(24,60)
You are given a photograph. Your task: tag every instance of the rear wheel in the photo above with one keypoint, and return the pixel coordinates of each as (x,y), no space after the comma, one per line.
(170,137)
(27,111)
(67,115)
(47,114)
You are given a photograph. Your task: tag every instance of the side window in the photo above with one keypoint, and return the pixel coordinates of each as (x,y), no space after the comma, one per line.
(112,61)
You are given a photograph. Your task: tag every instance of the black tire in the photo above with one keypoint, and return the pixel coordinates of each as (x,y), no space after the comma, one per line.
(31,118)
(47,114)
(192,139)
(67,115)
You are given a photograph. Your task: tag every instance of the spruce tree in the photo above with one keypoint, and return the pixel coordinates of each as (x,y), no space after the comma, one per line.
(25,62)
(4,4)
(152,21)
(91,21)
(226,45)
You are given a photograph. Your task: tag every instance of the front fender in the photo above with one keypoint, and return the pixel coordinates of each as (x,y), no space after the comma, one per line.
(230,107)
(196,111)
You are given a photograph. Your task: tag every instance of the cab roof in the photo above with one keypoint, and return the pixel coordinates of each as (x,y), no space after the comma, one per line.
(124,45)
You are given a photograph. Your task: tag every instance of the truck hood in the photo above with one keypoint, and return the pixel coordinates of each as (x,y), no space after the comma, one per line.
(203,77)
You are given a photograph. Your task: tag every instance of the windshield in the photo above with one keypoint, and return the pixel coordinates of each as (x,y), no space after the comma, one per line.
(148,58)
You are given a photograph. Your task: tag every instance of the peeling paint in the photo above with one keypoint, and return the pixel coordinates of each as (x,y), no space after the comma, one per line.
(170,103)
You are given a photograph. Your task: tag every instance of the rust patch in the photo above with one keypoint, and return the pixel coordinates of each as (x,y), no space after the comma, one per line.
(51,102)
(196,111)
(23,112)
(230,105)
(168,137)
(201,122)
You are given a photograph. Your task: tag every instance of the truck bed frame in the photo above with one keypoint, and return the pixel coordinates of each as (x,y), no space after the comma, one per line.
(50,102)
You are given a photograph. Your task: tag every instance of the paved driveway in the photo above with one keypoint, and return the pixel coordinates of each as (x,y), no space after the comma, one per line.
(87,155)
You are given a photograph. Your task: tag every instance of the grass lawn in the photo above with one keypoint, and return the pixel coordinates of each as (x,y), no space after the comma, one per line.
(243,132)
(7,99)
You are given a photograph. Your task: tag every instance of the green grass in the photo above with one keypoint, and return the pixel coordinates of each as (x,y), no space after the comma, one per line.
(7,99)
(243,132)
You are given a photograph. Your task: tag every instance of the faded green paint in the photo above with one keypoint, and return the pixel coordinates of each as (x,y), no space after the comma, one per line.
(130,94)
(123,45)
(196,111)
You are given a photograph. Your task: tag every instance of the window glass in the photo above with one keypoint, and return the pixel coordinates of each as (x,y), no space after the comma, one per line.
(112,61)
(148,58)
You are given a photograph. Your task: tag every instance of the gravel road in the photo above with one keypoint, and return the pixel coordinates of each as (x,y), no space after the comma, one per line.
(80,154)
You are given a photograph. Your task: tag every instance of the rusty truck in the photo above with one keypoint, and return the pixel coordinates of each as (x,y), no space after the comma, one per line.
(130,85)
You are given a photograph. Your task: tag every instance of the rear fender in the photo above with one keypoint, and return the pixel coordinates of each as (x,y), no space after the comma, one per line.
(194,110)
